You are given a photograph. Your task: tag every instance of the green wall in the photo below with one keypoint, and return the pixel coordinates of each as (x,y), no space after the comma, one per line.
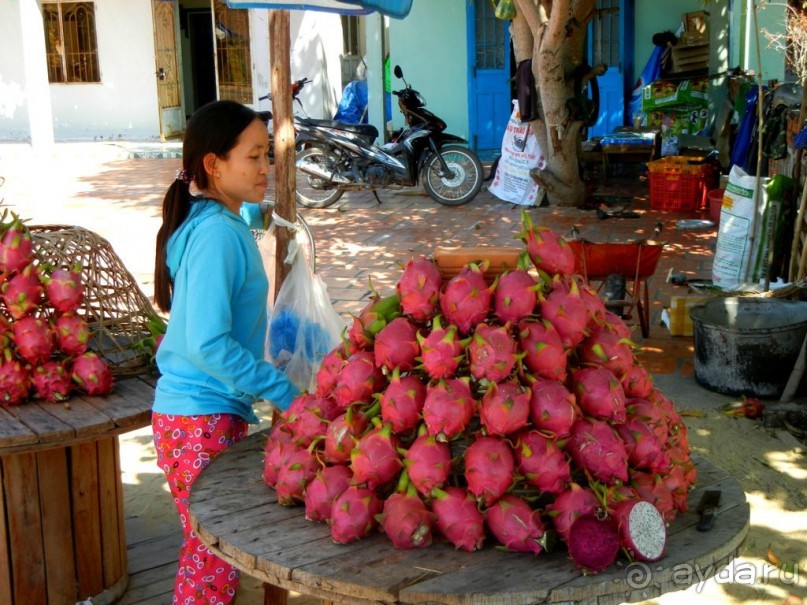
(430,45)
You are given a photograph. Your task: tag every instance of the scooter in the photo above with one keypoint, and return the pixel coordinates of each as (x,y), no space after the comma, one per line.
(339,157)
(266,115)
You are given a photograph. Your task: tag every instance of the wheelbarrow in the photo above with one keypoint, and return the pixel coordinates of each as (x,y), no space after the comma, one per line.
(634,262)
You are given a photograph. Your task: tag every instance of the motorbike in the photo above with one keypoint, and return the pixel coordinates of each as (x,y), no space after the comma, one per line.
(338,157)
(266,115)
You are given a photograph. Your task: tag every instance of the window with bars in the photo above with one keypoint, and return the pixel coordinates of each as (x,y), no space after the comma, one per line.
(490,38)
(232,53)
(71,44)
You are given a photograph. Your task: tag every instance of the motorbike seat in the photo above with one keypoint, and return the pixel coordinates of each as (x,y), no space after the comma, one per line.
(367,131)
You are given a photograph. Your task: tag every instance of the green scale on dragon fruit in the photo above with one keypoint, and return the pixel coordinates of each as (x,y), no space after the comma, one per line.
(508,412)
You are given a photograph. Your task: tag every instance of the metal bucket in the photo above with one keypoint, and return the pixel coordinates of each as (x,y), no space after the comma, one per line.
(747,346)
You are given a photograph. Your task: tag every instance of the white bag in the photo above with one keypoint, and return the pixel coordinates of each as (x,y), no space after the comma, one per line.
(520,153)
(736,250)
(303,325)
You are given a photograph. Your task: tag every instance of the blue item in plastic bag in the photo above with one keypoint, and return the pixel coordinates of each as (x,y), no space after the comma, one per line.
(650,73)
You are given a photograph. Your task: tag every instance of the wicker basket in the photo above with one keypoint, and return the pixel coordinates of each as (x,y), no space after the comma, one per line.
(114,307)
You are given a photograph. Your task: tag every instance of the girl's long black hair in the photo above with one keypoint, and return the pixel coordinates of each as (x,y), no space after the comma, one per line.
(213,128)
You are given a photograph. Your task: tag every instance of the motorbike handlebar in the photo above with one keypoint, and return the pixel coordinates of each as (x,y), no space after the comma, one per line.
(296,87)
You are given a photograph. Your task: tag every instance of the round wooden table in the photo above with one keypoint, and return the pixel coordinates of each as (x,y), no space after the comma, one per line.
(237,516)
(62,536)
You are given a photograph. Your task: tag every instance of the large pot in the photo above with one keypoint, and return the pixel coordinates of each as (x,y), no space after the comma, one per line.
(747,345)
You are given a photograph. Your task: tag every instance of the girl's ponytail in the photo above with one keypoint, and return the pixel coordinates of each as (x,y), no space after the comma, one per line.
(176,205)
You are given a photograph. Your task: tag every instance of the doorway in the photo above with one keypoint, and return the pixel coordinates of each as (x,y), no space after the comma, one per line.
(198,54)
(490,91)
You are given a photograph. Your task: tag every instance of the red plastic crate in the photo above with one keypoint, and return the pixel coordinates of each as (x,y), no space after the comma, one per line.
(680,184)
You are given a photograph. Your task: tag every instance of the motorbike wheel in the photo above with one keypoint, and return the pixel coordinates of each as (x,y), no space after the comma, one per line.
(460,187)
(312,191)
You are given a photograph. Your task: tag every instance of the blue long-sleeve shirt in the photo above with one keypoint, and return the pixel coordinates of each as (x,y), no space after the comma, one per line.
(211,358)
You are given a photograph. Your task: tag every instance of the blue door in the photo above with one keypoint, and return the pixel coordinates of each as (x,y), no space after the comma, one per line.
(489,97)
(609,42)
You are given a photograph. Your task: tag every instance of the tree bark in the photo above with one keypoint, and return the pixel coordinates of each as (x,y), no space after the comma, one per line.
(552,34)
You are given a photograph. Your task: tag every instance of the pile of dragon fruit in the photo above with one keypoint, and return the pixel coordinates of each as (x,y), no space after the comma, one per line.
(509,412)
(43,338)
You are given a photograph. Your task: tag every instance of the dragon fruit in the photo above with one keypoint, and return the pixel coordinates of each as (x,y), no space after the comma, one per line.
(541,462)
(16,245)
(92,374)
(637,382)
(552,407)
(644,449)
(329,369)
(298,469)
(642,531)
(372,319)
(505,408)
(406,520)
(515,297)
(64,289)
(492,352)
(428,462)
(593,543)
(449,407)
(511,410)
(515,524)
(15,380)
(329,482)
(604,346)
(543,349)
(34,339)
(489,466)
(308,416)
(458,518)
(72,334)
(23,292)
(354,514)
(465,299)
(547,250)
(396,345)
(595,447)
(52,381)
(419,289)
(442,351)
(566,311)
(599,393)
(402,402)
(343,433)
(375,460)
(358,380)
(570,505)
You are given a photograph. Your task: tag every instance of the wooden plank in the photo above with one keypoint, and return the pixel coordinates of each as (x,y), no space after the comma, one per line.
(13,432)
(86,518)
(112,534)
(48,428)
(85,420)
(25,530)
(152,587)
(129,404)
(57,528)
(5,554)
(156,551)
(123,552)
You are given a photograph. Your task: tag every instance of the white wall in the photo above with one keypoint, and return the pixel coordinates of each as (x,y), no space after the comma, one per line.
(122,106)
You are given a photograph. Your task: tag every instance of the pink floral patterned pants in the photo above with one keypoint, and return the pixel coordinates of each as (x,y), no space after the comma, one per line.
(185,445)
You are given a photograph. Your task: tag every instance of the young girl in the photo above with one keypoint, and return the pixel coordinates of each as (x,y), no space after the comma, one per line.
(209,274)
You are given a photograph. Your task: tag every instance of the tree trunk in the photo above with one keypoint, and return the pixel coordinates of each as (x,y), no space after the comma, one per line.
(552,34)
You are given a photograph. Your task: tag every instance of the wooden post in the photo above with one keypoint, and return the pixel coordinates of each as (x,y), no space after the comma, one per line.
(283,121)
